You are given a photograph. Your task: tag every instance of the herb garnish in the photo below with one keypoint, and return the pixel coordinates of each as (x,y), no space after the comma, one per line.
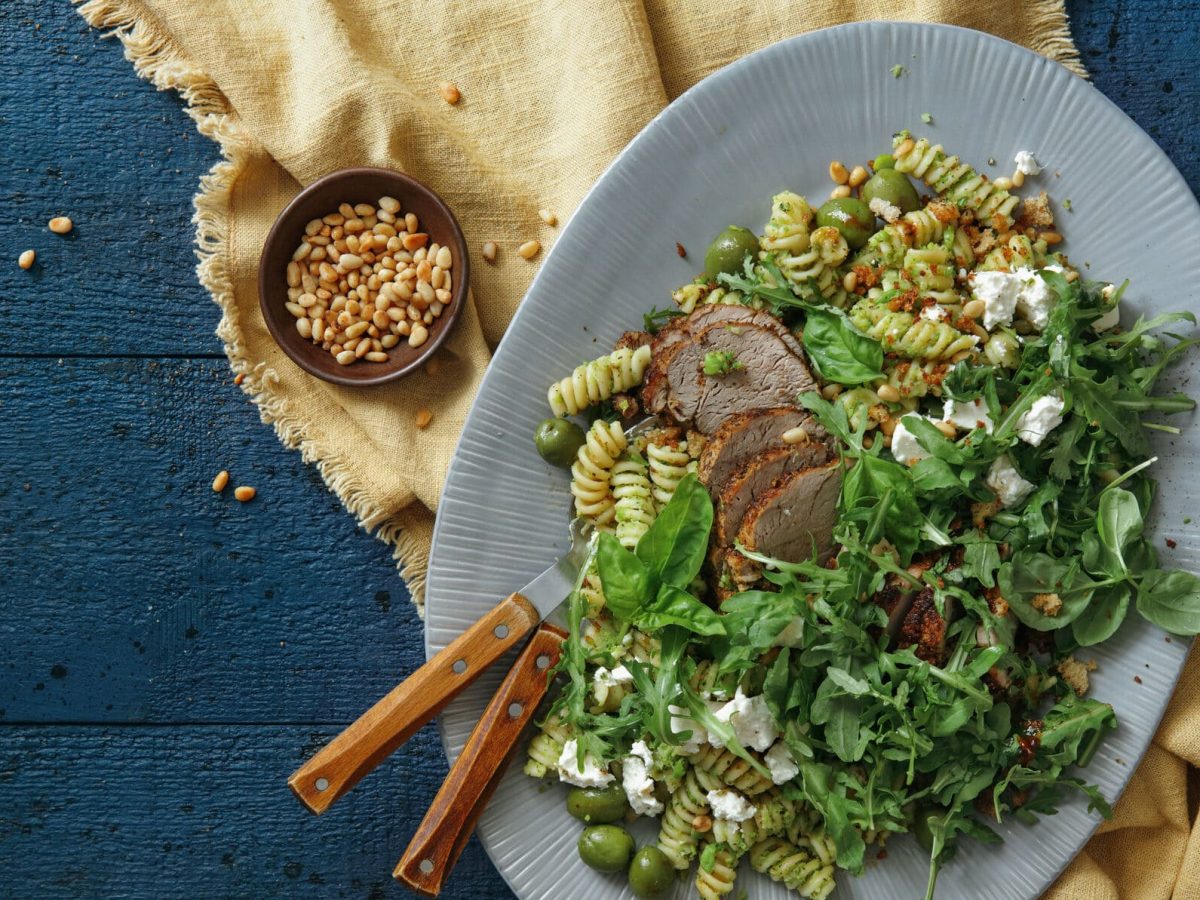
(721,362)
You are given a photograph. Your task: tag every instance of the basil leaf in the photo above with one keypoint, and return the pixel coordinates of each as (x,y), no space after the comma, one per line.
(1103,615)
(627,582)
(1119,523)
(1030,582)
(673,606)
(839,351)
(1170,598)
(674,547)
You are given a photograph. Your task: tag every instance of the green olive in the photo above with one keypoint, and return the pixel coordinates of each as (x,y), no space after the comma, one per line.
(558,441)
(923,826)
(597,805)
(651,873)
(884,161)
(728,251)
(606,848)
(851,217)
(892,186)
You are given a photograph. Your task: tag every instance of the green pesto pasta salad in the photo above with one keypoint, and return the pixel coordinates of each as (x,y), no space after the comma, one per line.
(861,501)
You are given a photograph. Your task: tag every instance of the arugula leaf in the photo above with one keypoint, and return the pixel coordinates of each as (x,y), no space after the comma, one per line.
(674,547)
(657,318)
(1170,598)
(839,351)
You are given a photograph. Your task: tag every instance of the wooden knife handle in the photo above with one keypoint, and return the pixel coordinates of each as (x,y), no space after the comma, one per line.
(451,818)
(340,764)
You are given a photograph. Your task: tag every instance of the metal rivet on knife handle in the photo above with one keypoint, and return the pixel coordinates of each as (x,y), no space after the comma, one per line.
(394,719)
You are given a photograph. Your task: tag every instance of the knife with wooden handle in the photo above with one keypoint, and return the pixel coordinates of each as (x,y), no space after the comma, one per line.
(341,763)
(442,834)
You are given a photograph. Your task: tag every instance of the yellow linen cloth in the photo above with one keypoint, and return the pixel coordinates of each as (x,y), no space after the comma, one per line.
(551,91)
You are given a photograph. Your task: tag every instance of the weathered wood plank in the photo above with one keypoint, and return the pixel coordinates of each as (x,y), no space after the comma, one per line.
(82,136)
(145,812)
(132,592)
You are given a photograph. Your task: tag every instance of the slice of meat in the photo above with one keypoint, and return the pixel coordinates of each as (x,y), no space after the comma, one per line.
(756,476)
(732,572)
(924,629)
(657,386)
(633,339)
(768,374)
(795,517)
(746,435)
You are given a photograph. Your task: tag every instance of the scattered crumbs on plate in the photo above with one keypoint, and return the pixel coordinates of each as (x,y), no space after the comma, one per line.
(1137,679)
(991,160)
(1066,204)
(1118,761)
(1187,520)
(682,253)
(1172,544)
(927,118)
(898,70)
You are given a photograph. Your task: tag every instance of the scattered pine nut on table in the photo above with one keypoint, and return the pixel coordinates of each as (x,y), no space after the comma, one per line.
(365,276)
(220,482)
(244,493)
(61,224)
(26,259)
(450,92)
(529,249)
(424,417)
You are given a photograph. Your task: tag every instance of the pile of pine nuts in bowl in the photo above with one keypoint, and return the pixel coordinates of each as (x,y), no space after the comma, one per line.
(364,288)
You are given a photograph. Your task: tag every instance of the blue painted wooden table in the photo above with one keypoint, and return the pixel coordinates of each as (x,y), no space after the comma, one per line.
(169,656)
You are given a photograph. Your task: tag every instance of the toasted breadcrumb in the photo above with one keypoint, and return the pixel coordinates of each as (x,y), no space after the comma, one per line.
(1075,673)
(1047,604)
(1036,212)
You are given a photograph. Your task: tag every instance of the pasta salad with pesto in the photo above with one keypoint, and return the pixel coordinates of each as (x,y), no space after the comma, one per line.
(861,502)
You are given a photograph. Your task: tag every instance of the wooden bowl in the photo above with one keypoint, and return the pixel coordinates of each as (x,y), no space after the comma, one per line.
(322,197)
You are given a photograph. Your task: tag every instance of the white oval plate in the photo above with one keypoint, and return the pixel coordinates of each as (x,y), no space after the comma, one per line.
(771,121)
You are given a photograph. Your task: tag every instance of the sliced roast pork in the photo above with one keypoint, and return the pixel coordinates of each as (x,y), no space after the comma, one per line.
(770,369)
(795,517)
(747,434)
(755,477)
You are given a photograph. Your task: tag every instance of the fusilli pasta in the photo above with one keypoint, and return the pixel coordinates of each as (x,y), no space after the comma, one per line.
(731,769)
(787,230)
(591,473)
(788,864)
(634,511)
(598,380)
(818,262)
(669,462)
(953,179)
(677,837)
(717,882)
(545,747)
(907,335)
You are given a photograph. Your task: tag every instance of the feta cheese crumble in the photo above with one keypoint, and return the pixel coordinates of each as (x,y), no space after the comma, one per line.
(636,780)
(1035,298)
(935,313)
(780,763)
(966,415)
(905,448)
(591,775)
(1040,419)
(1006,481)
(730,805)
(889,212)
(1026,163)
(681,721)
(751,721)
(998,291)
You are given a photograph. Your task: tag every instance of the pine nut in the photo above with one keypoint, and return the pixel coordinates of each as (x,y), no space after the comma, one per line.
(354,226)
(376,356)
(548,217)
(25,260)
(414,241)
(61,224)
(351,344)
(220,481)
(437,277)
(345,357)
(362,210)
(396,313)
(1051,237)
(850,282)
(313,227)
(947,429)
(418,336)
(489,251)
(410,223)
(424,271)
(424,417)
(702,823)
(1018,178)
(383,231)
(304,326)
(302,251)
(450,92)
(1003,183)
(427,318)
(244,493)
(904,148)
(318,330)
(442,295)
(437,306)
(356,329)
(842,190)
(529,250)
(389,204)
(334,219)
(296,309)
(388,341)
(888,393)
(444,258)
(307,300)
(425,291)
(350,261)
(402,328)
(973,309)
(362,348)
(293,274)
(831,391)
(795,435)
(838,173)
(857,176)
(380,318)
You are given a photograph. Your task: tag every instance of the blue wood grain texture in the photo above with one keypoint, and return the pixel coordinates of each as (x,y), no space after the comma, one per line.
(170,655)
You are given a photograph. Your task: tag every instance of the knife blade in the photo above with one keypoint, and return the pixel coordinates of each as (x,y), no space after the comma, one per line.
(345,760)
